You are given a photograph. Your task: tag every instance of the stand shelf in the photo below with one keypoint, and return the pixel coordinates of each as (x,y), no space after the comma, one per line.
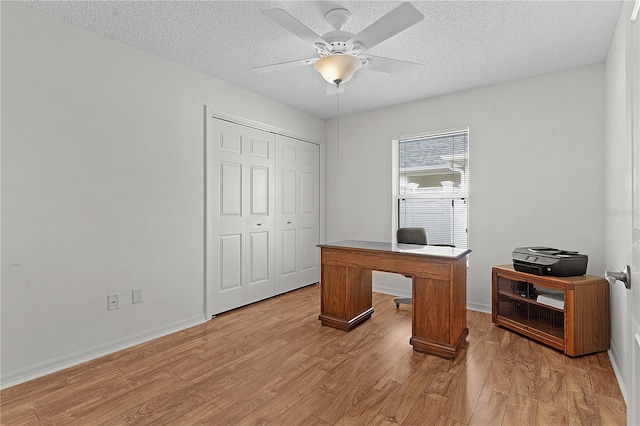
(582,327)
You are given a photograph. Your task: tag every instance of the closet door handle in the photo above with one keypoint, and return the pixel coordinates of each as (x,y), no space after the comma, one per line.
(258,224)
(288,222)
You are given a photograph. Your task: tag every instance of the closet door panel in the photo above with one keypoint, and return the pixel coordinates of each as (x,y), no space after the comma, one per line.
(309,249)
(298,217)
(260,220)
(288,193)
(258,257)
(309,217)
(259,187)
(286,215)
(227,183)
(230,189)
(260,280)
(242,200)
(288,256)
(231,262)
(261,145)
(230,139)
(289,152)
(309,193)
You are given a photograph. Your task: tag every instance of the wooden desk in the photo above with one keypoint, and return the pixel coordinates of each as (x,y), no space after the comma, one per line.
(439,289)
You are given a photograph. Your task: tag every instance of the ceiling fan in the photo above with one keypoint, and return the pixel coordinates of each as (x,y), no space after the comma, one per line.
(341,53)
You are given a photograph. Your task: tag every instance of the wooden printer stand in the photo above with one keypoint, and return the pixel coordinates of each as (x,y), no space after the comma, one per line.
(582,326)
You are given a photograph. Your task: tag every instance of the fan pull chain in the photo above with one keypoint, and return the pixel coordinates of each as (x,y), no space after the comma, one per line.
(338,120)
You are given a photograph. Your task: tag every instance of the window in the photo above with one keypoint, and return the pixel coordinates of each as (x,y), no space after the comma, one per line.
(432,188)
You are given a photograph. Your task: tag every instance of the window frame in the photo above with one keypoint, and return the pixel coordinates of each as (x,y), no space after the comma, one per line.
(395,171)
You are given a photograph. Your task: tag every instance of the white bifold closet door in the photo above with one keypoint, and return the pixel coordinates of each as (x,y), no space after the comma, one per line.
(263,214)
(297,213)
(243,216)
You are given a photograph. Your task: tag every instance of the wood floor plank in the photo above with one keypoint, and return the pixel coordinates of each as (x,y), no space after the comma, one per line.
(310,421)
(73,376)
(307,378)
(79,396)
(223,380)
(238,393)
(241,408)
(274,363)
(613,412)
(446,421)
(195,416)
(118,401)
(286,390)
(300,412)
(413,362)
(462,402)
(429,406)
(165,408)
(579,382)
(551,386)
(363,411)
(552,413)
(444,383)
(553,359)
(236,353)
(495,334)
(583,410)
(602,383)
(489,409)
(355,378)
(304,378)
(500,377)
(487,349)
(19,417)
(114,421)
(520,410)
(398,407)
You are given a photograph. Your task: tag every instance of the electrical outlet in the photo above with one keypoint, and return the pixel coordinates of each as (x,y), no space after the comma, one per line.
(136,295)
(113,301)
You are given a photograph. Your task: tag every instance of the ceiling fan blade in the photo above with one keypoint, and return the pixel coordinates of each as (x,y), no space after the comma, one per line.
(399,19)
(392,66)
(284,65)
(291,24)
(332,89)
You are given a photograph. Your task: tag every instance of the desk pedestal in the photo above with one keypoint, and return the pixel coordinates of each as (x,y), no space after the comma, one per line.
(439,289)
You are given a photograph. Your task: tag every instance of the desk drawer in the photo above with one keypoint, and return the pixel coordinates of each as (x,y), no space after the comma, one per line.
(389,262)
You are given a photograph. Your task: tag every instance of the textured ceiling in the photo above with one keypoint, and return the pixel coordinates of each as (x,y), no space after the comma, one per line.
(462,44)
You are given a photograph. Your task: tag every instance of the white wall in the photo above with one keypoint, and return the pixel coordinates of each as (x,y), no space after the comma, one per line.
(618,203)
(536,176)
(102,190)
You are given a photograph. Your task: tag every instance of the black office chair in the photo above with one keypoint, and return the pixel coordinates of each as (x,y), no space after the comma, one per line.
(410,235)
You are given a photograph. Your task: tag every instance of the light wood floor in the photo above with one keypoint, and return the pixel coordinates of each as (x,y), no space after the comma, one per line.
(273,363)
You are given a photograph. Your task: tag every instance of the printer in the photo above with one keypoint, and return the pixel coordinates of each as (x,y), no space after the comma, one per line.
(549,261)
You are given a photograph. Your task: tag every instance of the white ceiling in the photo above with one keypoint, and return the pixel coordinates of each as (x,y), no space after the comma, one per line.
(463,44)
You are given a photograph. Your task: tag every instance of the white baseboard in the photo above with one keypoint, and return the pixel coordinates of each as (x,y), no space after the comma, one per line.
(480,307)
(392,291)
(472,306)
(619,372)
(51,366)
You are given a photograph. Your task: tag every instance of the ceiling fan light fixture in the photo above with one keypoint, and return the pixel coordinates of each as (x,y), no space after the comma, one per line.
(337,68)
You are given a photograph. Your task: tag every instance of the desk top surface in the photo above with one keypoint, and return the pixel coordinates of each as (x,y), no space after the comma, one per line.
(431,251)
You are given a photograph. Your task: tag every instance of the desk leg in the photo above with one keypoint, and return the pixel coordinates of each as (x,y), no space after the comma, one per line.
(439,317)
(345,296)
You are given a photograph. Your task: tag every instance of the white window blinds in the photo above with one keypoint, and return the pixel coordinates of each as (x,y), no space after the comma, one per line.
(433,186)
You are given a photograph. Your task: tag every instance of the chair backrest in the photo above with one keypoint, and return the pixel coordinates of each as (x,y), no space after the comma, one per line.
(412,236)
